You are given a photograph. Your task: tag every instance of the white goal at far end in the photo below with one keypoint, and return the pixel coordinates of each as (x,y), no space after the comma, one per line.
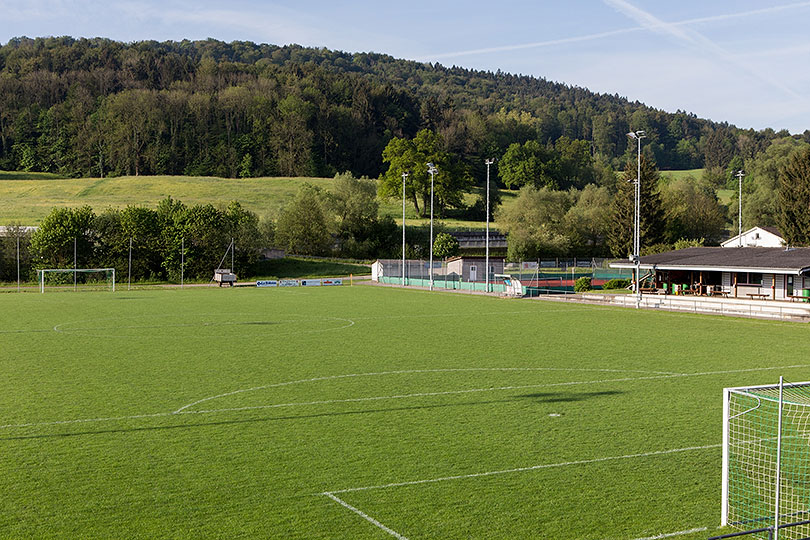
(90,276)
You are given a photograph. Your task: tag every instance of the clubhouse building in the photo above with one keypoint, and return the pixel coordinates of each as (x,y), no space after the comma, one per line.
(753,273)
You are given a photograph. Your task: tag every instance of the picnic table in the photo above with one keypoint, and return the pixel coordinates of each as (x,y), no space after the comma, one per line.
(755,296)
(797,297)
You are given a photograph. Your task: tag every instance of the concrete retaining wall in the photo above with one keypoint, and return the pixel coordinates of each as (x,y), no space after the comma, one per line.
(735,307)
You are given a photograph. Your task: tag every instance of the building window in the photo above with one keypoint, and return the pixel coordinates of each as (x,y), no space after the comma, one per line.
(749,278)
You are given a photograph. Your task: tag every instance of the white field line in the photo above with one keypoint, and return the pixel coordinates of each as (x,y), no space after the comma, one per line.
(59,328)
(655,375)
(525,469)
(183,410)
(364,516)
(408,371)
(678,533)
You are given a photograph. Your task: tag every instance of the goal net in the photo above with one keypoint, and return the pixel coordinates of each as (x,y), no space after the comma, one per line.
(69,279)
(766,470)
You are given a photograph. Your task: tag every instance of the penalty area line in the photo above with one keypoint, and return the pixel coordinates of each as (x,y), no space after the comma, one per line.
(365,516)
(525,469)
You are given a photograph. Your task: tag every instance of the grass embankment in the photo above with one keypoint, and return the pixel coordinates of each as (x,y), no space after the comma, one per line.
(28,197)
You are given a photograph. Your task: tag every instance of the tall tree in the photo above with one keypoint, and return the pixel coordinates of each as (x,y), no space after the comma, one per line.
(622,224)
(411,156)
(794,199)
(292,138)
(534,223)
(692,210)
(303,226)
(52,245)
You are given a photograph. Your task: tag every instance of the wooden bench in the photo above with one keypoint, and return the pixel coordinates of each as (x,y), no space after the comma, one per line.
(718,292)
(797,297)
(755,296)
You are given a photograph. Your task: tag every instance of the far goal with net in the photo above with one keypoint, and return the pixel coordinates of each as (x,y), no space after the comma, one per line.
(766,460)
(75,279)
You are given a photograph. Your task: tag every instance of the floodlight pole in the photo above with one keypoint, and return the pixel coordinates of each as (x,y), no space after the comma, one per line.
(739,175)
(432,170)
(637,135)
(129,265)
(404,176)
(182,259)
(488,162)
(74,264)
(18,260)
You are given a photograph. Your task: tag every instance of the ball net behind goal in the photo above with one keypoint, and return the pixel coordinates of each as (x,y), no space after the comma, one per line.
(754,456)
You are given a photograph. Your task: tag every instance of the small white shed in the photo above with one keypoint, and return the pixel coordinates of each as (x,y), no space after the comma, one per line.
(473,268)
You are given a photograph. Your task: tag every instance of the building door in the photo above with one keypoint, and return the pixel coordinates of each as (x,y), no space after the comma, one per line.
(789,286)
(473,273)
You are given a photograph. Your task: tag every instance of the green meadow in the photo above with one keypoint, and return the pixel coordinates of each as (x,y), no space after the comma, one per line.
(366,412)
(28,197)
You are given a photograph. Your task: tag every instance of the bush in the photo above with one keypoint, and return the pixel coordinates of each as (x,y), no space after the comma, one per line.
(582,284)
(616,284)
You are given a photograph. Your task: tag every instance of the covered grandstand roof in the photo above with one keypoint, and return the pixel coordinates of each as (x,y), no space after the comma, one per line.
(745,259)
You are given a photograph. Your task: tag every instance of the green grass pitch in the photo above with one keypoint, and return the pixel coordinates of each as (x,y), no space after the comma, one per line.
(366,412)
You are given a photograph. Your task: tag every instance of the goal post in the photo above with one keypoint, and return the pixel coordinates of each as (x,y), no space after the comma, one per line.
(70,278)
(766,459)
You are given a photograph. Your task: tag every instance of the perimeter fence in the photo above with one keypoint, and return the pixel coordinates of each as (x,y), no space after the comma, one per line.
(546,276)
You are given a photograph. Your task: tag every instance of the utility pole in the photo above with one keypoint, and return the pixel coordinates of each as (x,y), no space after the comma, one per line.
(488,162)
(637,135)
(404,176)
(739,175)
(432,170)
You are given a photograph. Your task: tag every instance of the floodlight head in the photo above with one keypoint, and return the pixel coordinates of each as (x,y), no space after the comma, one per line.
(430,165)
(640,134)
(489,161)
(432,168)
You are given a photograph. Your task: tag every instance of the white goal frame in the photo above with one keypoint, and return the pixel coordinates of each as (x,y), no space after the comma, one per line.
(41,274)
(766,397)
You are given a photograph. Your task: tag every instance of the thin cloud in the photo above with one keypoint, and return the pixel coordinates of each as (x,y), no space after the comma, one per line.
(562,41)
(695,39)
(650,24)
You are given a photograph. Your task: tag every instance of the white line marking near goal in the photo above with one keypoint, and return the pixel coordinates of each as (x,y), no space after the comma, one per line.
(524,469)
(364,516)
(678,533)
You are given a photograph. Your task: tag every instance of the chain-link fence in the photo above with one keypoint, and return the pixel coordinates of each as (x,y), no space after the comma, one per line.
(547,276)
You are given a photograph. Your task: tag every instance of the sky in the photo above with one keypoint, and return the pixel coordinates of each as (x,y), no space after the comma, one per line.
(743,62)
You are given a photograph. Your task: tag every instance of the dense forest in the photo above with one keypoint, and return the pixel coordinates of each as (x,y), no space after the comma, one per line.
(97,107)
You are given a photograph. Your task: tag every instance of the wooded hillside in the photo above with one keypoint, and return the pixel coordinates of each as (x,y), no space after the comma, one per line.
(96,107)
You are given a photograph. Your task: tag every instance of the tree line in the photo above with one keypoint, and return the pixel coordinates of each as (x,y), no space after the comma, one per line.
(97,107)
(173,237)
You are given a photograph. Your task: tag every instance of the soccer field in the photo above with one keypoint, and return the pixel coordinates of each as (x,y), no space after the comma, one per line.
(367,412)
